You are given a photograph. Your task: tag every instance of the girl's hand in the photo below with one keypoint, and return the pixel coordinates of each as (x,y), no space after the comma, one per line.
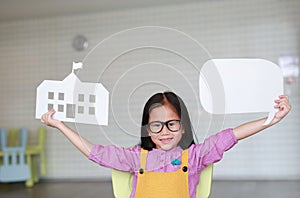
(284,108)
(251,128)
(47,119)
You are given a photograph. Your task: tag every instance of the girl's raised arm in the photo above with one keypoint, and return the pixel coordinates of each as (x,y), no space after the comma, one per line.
(78,141)
(251,128)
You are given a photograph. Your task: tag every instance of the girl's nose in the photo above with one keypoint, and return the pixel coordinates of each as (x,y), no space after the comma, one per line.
(165,130)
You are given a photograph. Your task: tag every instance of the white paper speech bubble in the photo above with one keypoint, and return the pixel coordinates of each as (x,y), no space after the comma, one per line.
(229,86)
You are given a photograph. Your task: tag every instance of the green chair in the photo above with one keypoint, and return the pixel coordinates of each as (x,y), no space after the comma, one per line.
(122,183)
(32,152)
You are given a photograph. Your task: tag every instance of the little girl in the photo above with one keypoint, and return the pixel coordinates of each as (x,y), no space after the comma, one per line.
(167,163)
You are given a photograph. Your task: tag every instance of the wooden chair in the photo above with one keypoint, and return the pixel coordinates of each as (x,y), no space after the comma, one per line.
(14,168)
(122,183)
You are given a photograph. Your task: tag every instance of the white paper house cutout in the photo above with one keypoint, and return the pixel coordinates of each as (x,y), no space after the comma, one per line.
(73,100)
(229,86)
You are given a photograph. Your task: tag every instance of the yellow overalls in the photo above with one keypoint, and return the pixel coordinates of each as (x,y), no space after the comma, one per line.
(162,184)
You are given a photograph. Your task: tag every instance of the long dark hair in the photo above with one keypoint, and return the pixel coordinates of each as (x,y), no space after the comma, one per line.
(160,99)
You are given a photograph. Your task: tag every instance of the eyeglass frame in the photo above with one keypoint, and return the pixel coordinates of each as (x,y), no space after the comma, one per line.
(163,125)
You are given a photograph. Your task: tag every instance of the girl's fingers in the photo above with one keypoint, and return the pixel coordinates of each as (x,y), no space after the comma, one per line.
(43,118)
(282,106)
(283,99)
(284,109)
(284,96)
(47,116)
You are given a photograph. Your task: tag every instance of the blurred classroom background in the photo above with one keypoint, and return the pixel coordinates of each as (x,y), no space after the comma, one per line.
(39,40)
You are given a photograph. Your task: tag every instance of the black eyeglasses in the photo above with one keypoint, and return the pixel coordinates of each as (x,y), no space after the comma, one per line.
(157,126)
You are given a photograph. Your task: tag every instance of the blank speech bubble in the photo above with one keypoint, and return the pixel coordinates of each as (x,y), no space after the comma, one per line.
(229,86)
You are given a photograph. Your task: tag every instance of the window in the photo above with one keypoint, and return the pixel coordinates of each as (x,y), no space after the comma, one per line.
(60,108)
(51,95)
(81,97)
(80,109)
(92,99)
(70,112)
(92,110)
(61,96)
(50,106)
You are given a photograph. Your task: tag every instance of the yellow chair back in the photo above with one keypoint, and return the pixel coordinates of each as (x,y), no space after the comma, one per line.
(39,149)
(122,183)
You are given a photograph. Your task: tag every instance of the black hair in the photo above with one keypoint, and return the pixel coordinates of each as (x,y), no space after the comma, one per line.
(175,101)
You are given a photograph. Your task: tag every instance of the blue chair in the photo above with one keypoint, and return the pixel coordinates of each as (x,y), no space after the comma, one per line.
(14,168)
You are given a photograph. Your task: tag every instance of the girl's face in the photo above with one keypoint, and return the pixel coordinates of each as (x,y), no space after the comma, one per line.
(166,139)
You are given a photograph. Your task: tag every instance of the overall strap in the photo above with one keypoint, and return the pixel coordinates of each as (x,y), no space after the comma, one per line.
(185,158)
(143,159)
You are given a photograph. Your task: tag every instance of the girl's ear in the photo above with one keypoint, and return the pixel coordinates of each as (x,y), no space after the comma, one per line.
(183,131)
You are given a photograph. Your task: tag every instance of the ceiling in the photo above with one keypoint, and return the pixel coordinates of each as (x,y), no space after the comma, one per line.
(25,9)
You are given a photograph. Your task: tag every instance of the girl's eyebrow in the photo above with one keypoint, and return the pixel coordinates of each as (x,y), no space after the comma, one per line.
(164,120)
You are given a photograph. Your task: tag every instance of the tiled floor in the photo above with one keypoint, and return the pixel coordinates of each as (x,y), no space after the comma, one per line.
(256,189)
(103,189)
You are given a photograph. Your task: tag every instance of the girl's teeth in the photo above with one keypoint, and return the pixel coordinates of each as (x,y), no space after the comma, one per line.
(166,141)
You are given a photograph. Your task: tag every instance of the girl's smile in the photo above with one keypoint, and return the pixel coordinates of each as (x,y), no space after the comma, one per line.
(166,140)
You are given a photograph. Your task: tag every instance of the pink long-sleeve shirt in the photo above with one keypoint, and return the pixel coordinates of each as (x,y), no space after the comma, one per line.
(200,156)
